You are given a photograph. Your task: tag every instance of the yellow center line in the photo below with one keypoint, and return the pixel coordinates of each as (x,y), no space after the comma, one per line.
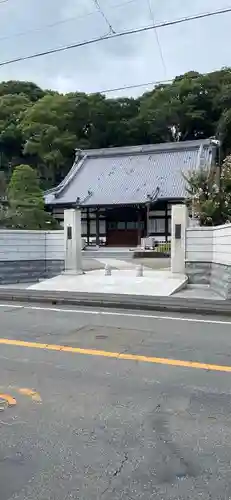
(10,401)
(117,355)
(35,396)
(31,393)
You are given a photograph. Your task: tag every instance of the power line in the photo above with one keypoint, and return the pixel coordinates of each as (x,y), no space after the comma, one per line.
(145,84)
(117,35)
(46,26)
(60,22)
(157,37)
(135,86)
(99,8)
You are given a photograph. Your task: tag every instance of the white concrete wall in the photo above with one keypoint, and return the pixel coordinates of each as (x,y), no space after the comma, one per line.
(209,244)
(222,244)
(199,244)
(31,245)
(54,245)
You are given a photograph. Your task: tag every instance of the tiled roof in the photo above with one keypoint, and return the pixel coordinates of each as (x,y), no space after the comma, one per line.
(130,174)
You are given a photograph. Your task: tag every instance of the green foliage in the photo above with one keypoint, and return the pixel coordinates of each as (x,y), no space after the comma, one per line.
(210,197)
(3,186)
(47,138)
(25,208)
(29,89)
(11,109)
(24,188)
(43,128)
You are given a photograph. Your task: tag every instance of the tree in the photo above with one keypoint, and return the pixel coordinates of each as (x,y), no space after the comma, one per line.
(26,208)
(224,129)
(29,89)
(109,121)
(47,138)
(3,187)
(12,107)
(210,197)
(183,110)
(98,122)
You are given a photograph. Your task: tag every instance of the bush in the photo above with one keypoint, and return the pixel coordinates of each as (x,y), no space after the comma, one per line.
(210,203)
(26,209)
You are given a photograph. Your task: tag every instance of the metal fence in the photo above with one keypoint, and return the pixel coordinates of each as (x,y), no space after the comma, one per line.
(163,248)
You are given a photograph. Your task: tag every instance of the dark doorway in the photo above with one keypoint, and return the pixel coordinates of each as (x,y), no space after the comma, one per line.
(120,238)
(124,233)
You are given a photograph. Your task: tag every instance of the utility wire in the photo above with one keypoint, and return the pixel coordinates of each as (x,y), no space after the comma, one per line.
(46,26)
(57,23)
(99,8)
(117,35)
(146,84)
(135,86)
(157,37)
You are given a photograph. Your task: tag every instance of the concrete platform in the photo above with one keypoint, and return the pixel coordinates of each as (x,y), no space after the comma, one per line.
(153,283)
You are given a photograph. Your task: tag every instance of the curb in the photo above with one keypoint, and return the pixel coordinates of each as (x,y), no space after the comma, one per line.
(180,287)
(118,301)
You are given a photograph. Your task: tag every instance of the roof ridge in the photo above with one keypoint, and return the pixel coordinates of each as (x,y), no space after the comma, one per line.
(145,148)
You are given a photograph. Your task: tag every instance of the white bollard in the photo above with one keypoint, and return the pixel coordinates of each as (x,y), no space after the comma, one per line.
(107,270)
(139,271)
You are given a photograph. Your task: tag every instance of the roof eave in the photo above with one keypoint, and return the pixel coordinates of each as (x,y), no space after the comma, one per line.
(107,205)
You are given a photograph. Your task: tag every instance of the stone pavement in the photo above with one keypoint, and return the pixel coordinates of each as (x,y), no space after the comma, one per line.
(153,283)
(129,263)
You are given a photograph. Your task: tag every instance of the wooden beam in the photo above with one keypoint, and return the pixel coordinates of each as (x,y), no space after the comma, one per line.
(166,221)
(97,227)
(139,225)
(88,227)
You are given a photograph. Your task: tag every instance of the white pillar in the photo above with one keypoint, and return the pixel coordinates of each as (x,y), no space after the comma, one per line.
(139,271)
(178,238)
(73,241)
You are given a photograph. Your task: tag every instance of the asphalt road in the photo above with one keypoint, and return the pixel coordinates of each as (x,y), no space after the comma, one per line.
(96,421)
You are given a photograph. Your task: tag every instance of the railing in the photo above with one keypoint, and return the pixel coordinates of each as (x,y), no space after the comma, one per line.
(150,243)
(163,248)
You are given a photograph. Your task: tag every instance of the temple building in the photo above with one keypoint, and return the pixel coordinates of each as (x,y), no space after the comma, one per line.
(126,193)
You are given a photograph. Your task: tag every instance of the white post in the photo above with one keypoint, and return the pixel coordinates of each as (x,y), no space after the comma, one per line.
(139,271)
(107,270)
(73,241)
(178,238)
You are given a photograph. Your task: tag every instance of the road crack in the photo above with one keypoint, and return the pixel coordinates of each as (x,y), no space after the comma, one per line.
(120,468)
(115,474)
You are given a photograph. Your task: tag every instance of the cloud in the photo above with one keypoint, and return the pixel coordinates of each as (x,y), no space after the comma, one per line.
(200,45)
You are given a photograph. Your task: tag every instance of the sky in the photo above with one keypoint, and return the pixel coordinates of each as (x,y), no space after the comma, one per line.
(29,26)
